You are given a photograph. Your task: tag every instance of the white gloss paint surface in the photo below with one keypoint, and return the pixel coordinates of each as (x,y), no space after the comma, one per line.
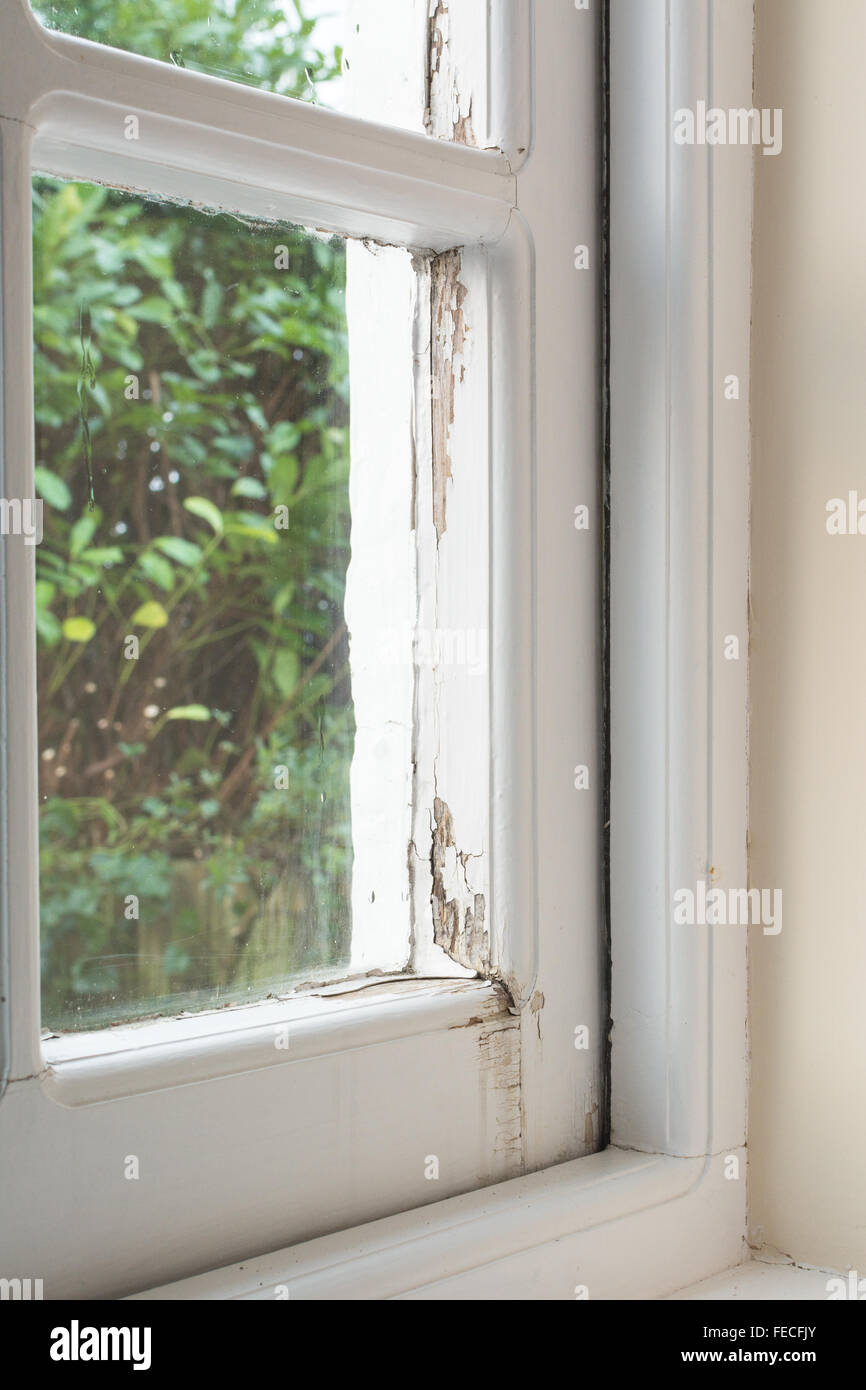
(335,1143)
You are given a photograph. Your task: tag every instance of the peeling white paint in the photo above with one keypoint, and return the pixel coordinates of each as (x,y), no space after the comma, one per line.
(459,911)
(452,68)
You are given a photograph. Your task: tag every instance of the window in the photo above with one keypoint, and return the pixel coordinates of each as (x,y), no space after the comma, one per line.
(194,693)
(292,48)
(664,1204)
(399,1057)
(461,1042)
(215,797)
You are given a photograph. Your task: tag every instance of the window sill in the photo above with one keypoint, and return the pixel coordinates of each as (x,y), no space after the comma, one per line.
(760,1281)
(618,1224)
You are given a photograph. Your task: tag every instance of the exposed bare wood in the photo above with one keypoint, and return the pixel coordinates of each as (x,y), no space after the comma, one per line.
(458,912)
(448,337)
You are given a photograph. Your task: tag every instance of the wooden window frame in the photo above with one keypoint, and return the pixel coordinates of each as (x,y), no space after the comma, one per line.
(653,1211)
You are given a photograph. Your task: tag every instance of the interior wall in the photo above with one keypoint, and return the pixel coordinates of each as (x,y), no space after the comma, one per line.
(808,638)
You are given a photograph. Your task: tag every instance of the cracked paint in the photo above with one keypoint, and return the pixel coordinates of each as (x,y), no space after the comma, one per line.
(459,925)
(536,1004)
(448,340)
(499,1047)
(447,113)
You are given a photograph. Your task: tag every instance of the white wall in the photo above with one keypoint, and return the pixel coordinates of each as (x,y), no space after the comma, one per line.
(808,644)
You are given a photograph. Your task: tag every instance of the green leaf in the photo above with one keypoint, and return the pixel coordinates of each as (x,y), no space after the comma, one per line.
(181,551)
(151,614)
(124,295)
(45,592)
(82,533)
(131,750)
(154,309)
(236,446)
(205,365)
(78,629)
(284,438)
(47,626)
(251,524)
(52,489)
(287,671)
(103,555)
(174,293)
(199,713)
(157,569)
(249,487)
(283,598)
(211,302)
(283,479)
(256,414)
(207,510)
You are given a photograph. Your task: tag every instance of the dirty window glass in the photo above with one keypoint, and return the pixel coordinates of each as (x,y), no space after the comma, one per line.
(195,710)
(294,47)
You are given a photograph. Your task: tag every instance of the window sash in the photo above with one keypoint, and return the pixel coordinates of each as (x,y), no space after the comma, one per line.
(679,298)
(64,108)
(239,149)
(497,1085)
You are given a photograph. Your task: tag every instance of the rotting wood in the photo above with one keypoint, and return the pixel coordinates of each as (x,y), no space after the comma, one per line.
(463,133)
(436,41)
(448,339)
(536,1004)
(591,1117)
(499,1048)
(447,115)
(459,925)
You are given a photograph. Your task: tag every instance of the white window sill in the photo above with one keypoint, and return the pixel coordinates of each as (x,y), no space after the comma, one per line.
(623,1224)
(761,1280)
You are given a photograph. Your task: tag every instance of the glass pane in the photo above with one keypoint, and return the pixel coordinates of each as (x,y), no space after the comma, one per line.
(294,47)
(196,723)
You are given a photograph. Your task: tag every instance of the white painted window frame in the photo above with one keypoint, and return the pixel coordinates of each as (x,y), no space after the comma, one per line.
(243,1146)
(653,1211)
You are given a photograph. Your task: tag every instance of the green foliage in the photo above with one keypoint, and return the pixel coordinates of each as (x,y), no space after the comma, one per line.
(186,388)
(253,41)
